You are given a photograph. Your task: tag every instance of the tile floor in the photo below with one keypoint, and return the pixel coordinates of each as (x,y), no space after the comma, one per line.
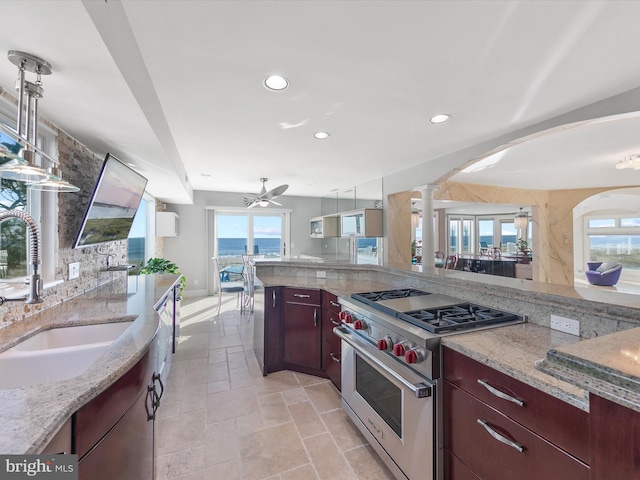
(221,419)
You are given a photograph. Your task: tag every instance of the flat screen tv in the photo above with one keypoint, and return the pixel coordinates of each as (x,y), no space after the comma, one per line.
(113,204)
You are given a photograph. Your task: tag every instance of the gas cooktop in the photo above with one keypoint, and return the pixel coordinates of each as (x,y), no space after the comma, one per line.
(435,313)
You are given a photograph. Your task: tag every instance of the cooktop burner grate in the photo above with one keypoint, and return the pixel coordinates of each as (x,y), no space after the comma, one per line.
(457,317)
(372,297)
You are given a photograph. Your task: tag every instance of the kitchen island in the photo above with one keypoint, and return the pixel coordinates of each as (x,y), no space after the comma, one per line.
(31,416)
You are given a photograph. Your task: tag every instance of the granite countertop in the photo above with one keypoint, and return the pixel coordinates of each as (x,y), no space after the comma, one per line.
(608,366)
(514,350)
(31,416)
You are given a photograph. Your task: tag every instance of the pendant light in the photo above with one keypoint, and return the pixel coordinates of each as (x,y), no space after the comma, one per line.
(22,167)
(521,221)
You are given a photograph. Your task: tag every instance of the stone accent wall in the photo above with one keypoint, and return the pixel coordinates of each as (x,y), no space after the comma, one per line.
(80,167)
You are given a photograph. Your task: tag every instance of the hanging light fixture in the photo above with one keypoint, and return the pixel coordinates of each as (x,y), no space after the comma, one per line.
(522,220)
(22,167)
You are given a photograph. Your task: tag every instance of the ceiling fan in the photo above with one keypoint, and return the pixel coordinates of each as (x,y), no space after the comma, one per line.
(264,198)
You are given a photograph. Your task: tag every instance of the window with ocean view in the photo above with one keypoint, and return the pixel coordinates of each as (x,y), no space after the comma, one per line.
(254,233)
(614,239)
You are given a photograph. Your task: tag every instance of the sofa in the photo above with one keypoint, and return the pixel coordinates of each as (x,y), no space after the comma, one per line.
(603,273)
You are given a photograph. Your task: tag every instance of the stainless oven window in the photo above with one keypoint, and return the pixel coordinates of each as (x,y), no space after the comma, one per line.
(381,395)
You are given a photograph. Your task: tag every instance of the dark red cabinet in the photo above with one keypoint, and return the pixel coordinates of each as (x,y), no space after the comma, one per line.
(302,328)
(615,442)
(498,428)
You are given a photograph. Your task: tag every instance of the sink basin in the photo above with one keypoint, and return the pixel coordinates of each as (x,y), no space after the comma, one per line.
(56,354)
(73,336)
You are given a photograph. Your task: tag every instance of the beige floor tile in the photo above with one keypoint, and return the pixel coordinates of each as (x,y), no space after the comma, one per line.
(303,473)
(295,395)
(218,355)
(218,341)
(327,459)
(273,409)
(220,386)
(343,431)
(221,471)
(271,451)
(194,397)
(240,378)
(367,464)
(307,380)
(185,430)
(306,419)
(251,423)
(222,447)
(324,397)
(237,360)
(276,382)
(168,409)
(231,404)
(186,461)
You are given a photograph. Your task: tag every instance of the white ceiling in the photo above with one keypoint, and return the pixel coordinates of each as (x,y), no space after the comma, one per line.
(175,87)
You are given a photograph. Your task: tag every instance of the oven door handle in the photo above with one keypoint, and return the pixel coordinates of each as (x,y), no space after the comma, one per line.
(420,389)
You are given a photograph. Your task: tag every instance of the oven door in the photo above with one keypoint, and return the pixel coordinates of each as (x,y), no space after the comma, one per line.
(392,406)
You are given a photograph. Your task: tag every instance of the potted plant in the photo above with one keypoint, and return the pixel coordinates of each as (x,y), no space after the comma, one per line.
(161,265)
(522,244)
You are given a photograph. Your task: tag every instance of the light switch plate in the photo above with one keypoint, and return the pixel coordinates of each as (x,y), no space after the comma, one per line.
(74,270)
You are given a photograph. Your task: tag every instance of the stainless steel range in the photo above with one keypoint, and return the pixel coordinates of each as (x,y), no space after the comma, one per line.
(391,370)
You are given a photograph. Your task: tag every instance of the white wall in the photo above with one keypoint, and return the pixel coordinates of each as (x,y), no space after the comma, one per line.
(189,250)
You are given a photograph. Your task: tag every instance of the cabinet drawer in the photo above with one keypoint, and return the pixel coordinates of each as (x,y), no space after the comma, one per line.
(97,417)
(492,459)
(330,302)
(302,295)
(551,418)
(456,470)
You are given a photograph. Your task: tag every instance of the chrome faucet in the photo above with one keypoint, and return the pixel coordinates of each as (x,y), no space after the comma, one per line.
(35,281)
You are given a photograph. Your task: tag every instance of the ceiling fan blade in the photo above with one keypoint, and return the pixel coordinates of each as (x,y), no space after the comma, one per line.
(276,192)
(253,204)
(271,201)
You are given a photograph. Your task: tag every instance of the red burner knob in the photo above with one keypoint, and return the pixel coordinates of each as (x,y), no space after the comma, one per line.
(411,356)
(359,325)
(342,315)
(398,350)
(348,318)
(383,345)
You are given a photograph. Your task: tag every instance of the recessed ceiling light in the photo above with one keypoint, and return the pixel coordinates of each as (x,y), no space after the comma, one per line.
(276,82)
(440,118)
(321,135)
(205,174)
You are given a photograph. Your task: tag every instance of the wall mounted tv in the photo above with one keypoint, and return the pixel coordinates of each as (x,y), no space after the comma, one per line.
(113,204)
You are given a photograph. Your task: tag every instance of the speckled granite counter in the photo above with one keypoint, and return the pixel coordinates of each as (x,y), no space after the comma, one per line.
(608,366)
(31,416)
(514,350)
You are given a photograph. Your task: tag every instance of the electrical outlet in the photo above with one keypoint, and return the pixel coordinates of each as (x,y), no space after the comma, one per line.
(566,325)
(321,274)
(74,270)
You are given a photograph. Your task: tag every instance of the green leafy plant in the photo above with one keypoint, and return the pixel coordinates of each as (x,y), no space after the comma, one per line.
(522,244)
(161,265)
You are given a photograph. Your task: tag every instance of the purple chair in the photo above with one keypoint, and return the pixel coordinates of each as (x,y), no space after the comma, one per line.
(603,273)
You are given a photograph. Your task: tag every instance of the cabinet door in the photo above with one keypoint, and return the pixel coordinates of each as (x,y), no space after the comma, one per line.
(331,344)
(126,452)
(302,333)
(615,430)
(273,301)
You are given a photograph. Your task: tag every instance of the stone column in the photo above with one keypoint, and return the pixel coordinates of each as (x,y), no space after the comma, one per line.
(428,233)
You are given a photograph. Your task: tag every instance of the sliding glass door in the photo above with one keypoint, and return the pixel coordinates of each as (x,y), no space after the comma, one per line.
(239,232)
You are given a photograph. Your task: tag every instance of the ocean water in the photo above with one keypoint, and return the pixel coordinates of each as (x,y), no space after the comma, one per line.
(237,246)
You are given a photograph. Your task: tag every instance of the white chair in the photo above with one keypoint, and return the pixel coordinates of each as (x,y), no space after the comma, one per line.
(226,287)
(249,274)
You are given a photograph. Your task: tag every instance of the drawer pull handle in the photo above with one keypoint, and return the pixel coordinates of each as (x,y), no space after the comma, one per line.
(499,437)
(299,295)
(315,317)
(500,394)
(334,304)
(334,358)
(337,324)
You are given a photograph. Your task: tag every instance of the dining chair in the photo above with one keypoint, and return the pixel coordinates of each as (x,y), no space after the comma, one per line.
(451,262)
(250,285)
(226,287)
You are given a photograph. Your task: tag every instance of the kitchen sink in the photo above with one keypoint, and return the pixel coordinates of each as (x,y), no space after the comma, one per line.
(56,354)
(73,336)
